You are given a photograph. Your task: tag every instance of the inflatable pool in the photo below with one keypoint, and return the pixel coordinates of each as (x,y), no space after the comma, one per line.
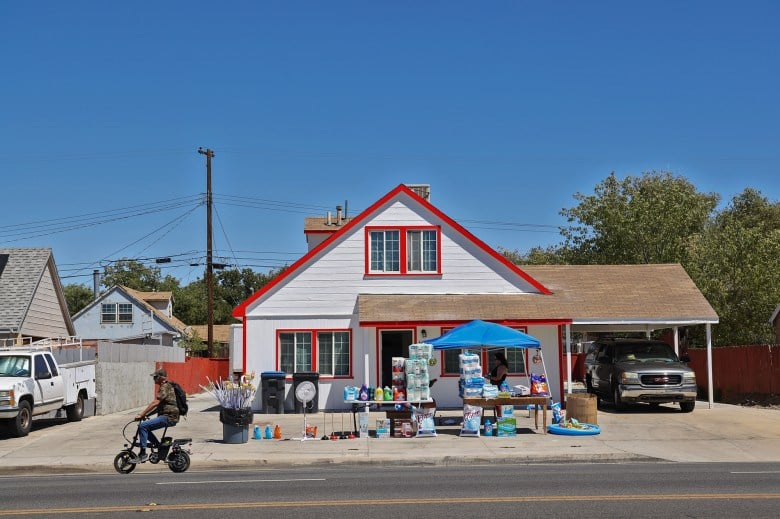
(586,429)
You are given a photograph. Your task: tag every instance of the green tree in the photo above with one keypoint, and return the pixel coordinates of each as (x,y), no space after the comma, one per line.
(77,296)
(645,219)
(536,256)
(736,264)
(134,274)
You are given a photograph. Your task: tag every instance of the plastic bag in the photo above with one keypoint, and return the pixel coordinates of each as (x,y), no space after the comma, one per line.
(539,385)
(556,412)
(425,423)
(472,420)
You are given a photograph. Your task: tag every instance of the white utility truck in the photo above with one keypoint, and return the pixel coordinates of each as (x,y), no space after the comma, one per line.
(33,383)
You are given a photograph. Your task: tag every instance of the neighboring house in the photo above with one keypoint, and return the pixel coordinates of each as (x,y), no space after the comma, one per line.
(402,271)
(221,335)
(775,322)
(122,314)
(32,303)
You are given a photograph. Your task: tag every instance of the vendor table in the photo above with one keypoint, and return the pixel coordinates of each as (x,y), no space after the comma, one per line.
(491,403)
(356,404)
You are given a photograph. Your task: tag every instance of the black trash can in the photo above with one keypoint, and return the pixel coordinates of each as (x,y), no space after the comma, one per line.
(313,377)
(272,391)
(235,424)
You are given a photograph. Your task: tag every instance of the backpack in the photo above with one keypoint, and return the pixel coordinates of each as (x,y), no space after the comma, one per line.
(181,399)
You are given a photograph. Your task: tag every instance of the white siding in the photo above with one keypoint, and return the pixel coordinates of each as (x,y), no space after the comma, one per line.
(330,283)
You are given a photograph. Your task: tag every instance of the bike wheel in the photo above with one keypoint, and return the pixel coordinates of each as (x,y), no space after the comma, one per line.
(179,462)
(123,462)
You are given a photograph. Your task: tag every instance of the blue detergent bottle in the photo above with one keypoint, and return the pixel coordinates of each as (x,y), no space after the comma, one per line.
(269,434)
(488,428)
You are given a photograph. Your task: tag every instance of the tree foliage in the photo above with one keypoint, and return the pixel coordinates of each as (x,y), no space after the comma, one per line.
(645,219)
(134,274)
(77,296)
(732,255)
(736,264)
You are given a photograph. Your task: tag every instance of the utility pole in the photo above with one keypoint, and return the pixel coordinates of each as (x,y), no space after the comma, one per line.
(209,265)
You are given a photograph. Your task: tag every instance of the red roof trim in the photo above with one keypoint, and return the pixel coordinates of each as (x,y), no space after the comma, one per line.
(240,311)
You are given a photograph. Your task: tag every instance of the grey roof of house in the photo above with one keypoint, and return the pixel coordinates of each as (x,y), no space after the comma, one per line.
(20,275)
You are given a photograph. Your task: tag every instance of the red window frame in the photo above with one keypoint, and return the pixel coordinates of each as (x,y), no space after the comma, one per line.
(315,349)
(402,231)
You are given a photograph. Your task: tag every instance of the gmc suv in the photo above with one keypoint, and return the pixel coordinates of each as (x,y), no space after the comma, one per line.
(626,371)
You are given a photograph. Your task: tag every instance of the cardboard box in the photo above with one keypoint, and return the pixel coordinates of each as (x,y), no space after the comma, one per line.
(363,424)
(383,428)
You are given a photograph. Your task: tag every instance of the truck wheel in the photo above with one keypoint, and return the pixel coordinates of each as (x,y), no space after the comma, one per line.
(617,402)
(75,412)
(21,425)
(687,407)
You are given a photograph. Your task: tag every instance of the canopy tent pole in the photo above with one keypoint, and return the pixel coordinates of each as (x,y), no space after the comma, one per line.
(568,359)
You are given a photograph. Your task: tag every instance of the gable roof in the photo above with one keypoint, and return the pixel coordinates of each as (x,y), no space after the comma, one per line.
(401,190)
(21,272)
(138,297)
(587,295)
(221,332)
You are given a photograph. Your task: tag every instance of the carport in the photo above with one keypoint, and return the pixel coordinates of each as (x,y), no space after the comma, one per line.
(583,298)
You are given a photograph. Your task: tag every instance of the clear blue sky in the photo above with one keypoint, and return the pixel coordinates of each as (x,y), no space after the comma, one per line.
(506,108)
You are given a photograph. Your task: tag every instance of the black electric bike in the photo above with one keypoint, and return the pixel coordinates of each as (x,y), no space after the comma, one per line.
(169,451)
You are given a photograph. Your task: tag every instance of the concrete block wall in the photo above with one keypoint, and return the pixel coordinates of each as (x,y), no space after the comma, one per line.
(123,385)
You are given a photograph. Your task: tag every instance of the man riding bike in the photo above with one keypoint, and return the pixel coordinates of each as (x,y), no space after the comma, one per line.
(165,407)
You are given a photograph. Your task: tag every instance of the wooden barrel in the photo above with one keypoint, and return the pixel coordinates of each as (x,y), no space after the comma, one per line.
(582,407)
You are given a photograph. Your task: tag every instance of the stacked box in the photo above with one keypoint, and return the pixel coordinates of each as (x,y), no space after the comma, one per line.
(417,380)
(402,428)
(399,377)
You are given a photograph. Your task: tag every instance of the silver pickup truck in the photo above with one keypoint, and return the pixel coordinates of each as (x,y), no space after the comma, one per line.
(625,371)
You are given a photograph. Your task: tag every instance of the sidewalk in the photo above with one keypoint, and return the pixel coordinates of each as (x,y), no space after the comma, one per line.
(725,433)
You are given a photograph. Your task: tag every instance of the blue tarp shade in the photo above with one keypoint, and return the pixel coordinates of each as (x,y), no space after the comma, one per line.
(478,334)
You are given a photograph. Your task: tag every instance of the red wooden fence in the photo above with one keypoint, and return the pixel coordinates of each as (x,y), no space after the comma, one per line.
(193,372)
(739,371)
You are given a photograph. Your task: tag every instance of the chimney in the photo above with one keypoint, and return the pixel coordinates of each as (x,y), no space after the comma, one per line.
(338,215)
(328,220)
(96,283)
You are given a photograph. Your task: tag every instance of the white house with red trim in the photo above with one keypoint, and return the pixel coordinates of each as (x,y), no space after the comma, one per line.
(401,271)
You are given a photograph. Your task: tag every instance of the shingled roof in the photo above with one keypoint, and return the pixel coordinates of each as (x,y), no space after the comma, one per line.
(618,296)
(21,273)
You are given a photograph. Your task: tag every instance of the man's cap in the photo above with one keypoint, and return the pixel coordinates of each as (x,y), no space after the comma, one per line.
(160,373)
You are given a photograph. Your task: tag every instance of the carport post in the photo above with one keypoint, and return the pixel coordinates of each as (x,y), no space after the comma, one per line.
(676,340)
(709,364)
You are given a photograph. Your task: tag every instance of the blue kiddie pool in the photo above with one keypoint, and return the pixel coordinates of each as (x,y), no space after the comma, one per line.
(582,429)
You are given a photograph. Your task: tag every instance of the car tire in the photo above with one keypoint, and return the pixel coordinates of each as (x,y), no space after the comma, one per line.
(687,407)
(617,402)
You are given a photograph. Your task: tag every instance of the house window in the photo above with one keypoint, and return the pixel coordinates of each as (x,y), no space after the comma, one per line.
(421,251)
(116,313)
(403,250)
(333,348)
(295,351)
(385,251)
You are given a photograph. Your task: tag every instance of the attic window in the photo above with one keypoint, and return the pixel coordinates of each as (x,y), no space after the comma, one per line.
(111,313)
(403,250)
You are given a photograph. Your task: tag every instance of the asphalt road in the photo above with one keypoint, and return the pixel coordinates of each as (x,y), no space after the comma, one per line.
(706,490)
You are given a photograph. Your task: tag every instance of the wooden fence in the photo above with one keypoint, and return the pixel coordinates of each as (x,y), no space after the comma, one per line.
(739,372)
(195,371)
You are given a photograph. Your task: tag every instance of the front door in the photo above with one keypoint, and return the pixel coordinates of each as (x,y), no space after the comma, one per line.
(393,343)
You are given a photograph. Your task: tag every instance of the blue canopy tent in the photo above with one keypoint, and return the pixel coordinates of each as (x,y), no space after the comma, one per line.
(479,334)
